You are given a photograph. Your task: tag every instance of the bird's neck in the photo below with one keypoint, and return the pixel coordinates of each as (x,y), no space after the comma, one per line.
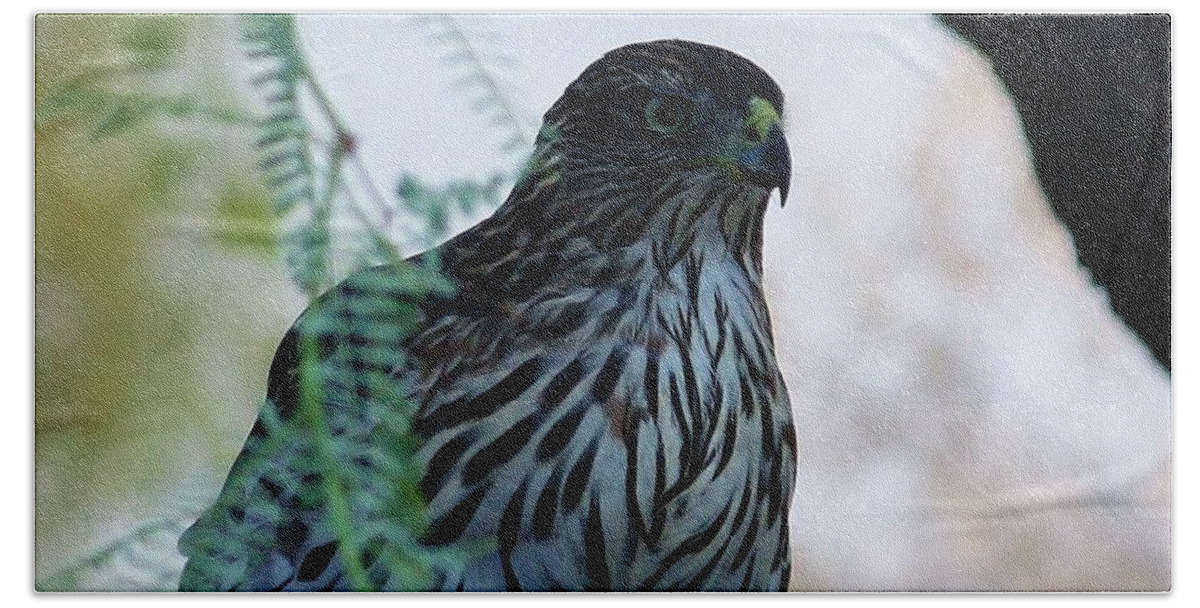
(574,205)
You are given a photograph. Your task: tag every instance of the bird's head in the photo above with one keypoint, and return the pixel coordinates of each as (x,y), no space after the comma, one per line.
(651,120)
(661,109)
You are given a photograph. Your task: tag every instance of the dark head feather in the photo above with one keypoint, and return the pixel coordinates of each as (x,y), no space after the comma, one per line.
(605,177)
(732,79)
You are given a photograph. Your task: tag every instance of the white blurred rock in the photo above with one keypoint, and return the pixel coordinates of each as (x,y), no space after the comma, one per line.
(971,413)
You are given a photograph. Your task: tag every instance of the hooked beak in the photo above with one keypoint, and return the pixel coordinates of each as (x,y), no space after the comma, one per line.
(769,163)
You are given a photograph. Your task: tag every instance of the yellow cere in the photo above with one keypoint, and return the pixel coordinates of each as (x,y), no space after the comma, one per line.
(762,117)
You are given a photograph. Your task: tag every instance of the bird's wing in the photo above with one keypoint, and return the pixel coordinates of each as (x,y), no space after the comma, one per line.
(336,403)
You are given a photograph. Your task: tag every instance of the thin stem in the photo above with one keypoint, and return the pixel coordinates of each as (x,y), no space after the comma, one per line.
(342,132)
(519,129)
(321,97)
(373,191)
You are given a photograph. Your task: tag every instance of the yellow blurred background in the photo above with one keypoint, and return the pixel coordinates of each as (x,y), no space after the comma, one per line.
(148,212)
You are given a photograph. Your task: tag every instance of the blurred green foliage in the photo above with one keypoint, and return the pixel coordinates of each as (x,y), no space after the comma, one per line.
(378,504)
(147,152)
(131,148)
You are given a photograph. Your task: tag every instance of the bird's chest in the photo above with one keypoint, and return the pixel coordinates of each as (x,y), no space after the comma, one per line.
(716,424)
(707,330)
(636,438)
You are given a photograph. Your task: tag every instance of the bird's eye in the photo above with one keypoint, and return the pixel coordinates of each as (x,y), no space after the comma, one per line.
(668,114)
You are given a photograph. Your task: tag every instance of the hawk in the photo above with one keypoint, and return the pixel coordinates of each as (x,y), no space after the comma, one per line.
(597,406)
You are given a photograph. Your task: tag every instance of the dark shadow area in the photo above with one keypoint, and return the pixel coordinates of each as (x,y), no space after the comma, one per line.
(1094,93)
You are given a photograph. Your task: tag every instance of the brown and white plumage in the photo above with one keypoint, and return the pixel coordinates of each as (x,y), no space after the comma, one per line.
(599,405)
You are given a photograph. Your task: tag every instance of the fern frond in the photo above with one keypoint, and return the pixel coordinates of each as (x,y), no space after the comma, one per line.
(435,206)
(474,71)
(285,146)
(144,559)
